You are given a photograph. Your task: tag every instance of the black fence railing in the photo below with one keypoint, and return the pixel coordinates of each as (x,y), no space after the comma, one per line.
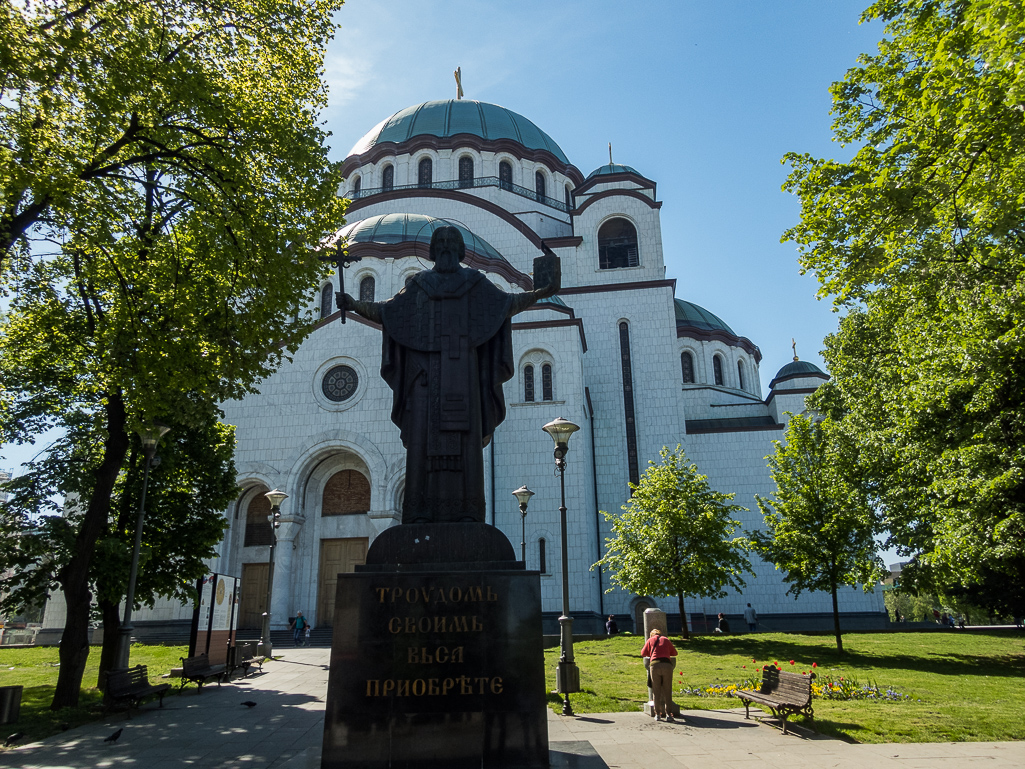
(463,184)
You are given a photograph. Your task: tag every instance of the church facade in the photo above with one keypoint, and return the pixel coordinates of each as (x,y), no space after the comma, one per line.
(616,351)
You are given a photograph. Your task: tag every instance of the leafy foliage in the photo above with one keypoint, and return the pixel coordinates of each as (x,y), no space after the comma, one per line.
(919,239)
(164,186)
(819,525)
(675,536)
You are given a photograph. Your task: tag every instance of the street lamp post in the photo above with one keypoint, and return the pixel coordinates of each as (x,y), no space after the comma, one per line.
(275,498)
(150,436)
(567,674)
(523,495)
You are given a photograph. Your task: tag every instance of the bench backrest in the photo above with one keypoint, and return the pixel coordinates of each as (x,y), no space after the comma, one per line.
(794,687)
(126,679)
(199,662)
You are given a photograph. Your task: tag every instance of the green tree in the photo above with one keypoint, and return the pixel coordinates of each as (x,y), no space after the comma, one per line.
(675,536)
(165,185)
(920,240)
(819,525)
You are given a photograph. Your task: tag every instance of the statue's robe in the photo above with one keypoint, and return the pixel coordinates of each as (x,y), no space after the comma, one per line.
(447,351)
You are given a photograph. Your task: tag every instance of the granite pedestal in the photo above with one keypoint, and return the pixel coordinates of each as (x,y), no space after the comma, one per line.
(437,658)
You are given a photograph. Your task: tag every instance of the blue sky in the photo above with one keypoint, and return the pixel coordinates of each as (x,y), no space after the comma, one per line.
(702,97)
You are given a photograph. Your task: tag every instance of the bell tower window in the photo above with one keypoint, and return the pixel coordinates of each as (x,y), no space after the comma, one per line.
(617,245)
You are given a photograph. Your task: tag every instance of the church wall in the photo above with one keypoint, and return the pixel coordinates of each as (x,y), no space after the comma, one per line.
(583,269)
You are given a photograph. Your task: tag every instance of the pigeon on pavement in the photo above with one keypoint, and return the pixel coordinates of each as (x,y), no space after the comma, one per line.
(13,739)
(249,704)
(113,738)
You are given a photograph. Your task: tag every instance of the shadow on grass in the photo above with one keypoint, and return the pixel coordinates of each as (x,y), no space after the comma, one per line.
(767,650)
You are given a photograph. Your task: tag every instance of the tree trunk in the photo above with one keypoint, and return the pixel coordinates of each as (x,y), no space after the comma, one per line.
(74,577)
(683,618)
(108,652)
(836,622)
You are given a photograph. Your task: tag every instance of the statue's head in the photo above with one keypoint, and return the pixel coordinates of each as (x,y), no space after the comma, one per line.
(447,249)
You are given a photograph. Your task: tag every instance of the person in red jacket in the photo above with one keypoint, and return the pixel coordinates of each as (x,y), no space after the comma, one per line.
(661,651)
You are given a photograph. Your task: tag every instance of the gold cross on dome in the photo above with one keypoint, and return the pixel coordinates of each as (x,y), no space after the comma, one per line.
(459,82)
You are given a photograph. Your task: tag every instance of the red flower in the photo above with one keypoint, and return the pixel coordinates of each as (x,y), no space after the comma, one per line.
(754,660)
(743,666)
(814,664)
(791,662)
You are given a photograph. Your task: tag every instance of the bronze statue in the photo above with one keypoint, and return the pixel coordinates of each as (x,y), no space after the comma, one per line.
(447,350)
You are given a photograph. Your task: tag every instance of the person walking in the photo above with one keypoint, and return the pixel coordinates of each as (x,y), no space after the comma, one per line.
(298,626)
(751,618)
(658,653)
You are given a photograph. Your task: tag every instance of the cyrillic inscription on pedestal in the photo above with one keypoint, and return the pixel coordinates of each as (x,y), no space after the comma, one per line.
(437,670)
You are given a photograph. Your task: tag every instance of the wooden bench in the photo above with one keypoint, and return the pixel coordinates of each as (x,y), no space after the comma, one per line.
(785,694)
(199,670)
(243,655)
(132,686)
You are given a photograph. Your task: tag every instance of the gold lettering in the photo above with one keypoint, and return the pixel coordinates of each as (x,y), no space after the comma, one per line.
(373,687)
(441,654)
(410,625)
(424,624)
(387,687)
(457,654)
(441,624)
(447,684)
(460,625)
(441,595)
(413,656)
(415,595)
(419,687)
(425,657)
(491,594)
(432,686)
(475,593)
(496,685)
(395,625)
(481,682)
(477,624)
(381,593)
(403,688)
(455,594)
(396,593)
(426,593)
(464,685)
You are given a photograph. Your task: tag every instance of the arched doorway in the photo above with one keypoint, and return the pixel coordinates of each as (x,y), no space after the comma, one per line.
(639,610)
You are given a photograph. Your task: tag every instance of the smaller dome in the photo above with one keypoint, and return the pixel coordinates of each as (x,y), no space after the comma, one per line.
(612,168)
(796,370)
(690,314)
(405,228)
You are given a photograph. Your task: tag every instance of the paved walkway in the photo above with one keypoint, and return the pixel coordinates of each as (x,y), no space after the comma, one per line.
(214,730)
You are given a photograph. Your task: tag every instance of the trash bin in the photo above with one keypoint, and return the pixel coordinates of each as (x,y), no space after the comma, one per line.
(10,704)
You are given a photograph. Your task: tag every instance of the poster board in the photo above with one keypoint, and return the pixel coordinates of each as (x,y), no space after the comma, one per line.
(215,617)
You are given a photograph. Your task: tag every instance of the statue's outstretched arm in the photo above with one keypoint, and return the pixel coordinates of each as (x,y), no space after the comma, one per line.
(369,310)
(547,281)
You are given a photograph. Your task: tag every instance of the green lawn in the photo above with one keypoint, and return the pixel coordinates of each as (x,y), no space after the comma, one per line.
(36,669)
(964,686)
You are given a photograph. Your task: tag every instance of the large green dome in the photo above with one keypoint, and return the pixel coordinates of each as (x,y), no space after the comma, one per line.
(391,229)
(695,316)
(449,117)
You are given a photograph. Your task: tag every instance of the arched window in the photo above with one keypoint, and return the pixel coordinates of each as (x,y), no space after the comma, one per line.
(569,199)
(425,173)
(539,185)
(347,492)
(617,245)
(542,558)
(740,374)
(528,384)
(505,175)
(717,370)
(326,295)
(366,289)
(258,528)
(546,382)
(465,171)
(388,178)
(356,186)
(687,364)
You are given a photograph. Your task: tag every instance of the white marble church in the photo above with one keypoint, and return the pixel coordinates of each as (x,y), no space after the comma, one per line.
(616,351)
